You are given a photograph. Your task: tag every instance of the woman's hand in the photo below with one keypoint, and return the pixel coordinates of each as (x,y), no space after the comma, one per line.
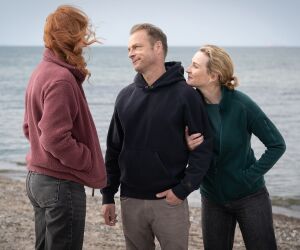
(193,140)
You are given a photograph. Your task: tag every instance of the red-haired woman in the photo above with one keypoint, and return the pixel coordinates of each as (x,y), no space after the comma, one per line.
(65,153)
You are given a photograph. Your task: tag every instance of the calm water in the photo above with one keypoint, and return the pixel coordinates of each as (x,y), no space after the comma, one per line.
(269,75)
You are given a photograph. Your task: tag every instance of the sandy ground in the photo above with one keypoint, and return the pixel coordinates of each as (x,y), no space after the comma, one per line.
(17,227)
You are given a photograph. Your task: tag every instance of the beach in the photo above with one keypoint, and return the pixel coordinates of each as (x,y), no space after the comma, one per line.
(17,224)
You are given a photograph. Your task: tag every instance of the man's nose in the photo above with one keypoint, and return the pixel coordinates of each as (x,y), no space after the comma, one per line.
(130,54)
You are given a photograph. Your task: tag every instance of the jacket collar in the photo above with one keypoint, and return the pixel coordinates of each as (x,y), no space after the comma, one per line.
(49,56)
(174,73)
(226,96)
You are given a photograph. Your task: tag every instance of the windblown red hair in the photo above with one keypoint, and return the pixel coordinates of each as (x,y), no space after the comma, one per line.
(66,32)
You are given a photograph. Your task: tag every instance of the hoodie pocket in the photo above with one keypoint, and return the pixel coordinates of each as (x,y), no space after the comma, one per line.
(143,169)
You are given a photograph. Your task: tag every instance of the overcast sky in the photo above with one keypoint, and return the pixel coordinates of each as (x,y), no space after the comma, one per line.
(186,22)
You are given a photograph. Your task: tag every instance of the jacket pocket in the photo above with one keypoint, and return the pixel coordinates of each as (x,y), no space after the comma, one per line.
(233,184)
(143,169)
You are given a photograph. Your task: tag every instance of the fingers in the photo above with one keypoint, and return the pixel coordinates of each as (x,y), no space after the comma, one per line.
(174,202)
(112,220)
(109,215)
(197,141)
(172,199)
(201,139)
(107,218)
(195,136)
(186,131)
(192,144)
(162,194)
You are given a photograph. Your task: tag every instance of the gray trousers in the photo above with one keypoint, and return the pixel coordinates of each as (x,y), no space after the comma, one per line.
(143,220)
(59,208)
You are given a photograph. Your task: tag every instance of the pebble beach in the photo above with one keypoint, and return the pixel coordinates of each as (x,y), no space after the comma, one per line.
(17,224)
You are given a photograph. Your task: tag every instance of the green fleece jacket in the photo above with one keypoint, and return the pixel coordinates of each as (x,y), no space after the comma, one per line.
(235,172)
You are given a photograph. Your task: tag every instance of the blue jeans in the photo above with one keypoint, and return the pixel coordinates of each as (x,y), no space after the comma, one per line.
(60,208)
(254,216)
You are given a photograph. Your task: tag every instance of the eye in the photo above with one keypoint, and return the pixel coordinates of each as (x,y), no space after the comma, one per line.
(195,66)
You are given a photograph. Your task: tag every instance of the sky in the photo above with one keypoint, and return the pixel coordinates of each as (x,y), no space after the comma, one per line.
(185,22)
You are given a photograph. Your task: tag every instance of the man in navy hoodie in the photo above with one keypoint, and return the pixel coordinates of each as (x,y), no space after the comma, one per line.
(146,150)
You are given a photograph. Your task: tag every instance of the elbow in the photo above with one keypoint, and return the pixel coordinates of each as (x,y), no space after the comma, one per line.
(47,142)
(26,131)
(283,147)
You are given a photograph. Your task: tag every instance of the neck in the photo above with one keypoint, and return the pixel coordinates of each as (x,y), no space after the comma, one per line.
(153,74)
(212,94)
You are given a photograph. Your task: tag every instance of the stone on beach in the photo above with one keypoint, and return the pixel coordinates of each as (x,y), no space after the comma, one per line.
(17,224)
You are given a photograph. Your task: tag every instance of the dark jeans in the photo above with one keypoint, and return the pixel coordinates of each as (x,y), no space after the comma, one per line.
(254,215)
(60,208)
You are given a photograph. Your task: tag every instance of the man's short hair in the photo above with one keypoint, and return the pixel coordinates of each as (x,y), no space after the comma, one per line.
(155,34)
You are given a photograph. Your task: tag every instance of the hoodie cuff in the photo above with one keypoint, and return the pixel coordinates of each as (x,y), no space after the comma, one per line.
(108,199)
(180,192)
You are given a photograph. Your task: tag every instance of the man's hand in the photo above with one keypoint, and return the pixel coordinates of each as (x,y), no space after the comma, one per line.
(171,198)
(109,214)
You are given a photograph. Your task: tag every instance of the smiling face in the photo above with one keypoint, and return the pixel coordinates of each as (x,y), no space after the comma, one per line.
(141,52)
(198,75)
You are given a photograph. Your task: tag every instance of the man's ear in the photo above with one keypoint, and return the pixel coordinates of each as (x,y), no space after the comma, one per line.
(158,46)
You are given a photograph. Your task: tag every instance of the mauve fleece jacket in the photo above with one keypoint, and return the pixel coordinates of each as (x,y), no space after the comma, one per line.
(59,126)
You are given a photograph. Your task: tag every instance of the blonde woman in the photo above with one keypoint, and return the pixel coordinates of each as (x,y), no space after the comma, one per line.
(233,191)
(64,151)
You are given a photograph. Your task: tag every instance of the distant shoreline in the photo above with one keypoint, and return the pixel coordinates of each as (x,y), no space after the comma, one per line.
(170,46)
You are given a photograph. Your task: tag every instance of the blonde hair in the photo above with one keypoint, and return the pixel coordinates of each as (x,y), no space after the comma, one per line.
(66,32)
(221,64)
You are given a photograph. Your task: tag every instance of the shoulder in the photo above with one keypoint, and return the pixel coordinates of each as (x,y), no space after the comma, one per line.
(48,77)
(63,88)
(125,92)
(243,99)
(188,93)
(240,100)
(56,72)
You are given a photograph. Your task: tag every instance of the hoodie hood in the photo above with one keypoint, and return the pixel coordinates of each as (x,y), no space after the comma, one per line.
(49,56)
(174,73)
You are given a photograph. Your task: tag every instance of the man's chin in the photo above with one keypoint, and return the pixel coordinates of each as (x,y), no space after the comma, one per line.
(137,69)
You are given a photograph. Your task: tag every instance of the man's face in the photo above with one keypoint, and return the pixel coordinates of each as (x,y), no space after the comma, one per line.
(141,51)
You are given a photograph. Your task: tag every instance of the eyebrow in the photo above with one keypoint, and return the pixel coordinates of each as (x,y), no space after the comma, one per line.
(135,45)
(193,62)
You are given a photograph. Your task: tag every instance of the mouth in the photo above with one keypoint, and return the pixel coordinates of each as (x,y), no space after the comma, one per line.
(135,61)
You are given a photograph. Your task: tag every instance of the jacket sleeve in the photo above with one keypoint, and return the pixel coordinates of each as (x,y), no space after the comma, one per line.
(195,117)
(114,146)
(268,134)
(60,109)
(25,121)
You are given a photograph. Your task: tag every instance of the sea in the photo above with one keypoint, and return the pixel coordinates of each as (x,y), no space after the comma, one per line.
(269,75)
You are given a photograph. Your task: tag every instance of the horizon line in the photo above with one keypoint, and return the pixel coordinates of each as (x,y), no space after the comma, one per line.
(178,46)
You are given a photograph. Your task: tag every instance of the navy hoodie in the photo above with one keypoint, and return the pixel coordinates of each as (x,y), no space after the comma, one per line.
(146,148)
